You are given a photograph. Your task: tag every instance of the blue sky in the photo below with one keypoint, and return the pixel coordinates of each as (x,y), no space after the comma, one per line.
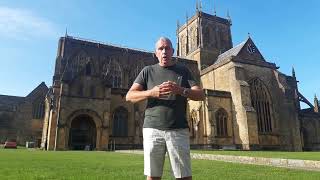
(287,32)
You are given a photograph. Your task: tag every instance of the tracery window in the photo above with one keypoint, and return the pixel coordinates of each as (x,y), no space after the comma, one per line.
(120,122)
(88,69)
(183,47)
(38,110)
(261,102)
(222,122)
(135,72)
(79,62)
(113,72)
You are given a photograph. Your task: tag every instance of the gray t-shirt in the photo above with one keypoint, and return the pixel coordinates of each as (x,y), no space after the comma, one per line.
(165,114)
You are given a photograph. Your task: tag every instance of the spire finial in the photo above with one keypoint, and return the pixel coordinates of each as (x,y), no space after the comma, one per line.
(249,35)
(187,17)
(200,5)
(229,17)
(197,6)
(293,72)
(178,24)
(316,104)
(214,9)
(66,33)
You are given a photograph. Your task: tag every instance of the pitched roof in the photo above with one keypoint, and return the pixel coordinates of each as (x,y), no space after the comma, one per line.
(231,52)
(5,99)
(242,51)
(9,103)
(42,87)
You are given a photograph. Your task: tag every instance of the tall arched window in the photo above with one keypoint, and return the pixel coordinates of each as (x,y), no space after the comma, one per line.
(38,109)
(88,69)
(135,71)
(192,38)
(120,122)
(193,120)
(182,46)
(261,102)
(222,122)
(116,74)
(207,36)
(112,71)
(78,62)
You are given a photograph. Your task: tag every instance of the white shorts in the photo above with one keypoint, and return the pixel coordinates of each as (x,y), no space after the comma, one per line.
(175,142)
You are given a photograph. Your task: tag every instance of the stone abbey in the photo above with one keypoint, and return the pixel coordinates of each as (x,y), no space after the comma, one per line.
(249,104)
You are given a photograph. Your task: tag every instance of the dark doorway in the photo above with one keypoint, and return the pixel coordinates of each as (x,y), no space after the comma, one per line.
(82,133)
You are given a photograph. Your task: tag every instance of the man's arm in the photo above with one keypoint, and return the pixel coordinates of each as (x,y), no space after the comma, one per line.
(195,93)
(136,93)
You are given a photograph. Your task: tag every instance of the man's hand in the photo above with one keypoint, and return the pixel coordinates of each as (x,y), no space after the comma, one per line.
(171,87)
(160,91)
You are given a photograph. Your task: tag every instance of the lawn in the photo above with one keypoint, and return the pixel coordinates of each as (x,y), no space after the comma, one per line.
(77,165)
(268,154)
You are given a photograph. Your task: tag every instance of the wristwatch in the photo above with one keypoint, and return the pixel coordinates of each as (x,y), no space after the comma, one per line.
(185,92)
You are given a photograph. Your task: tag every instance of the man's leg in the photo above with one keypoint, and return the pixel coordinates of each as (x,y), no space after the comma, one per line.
(178,146)
(154,147)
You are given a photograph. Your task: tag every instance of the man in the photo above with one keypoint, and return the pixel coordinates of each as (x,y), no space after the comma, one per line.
(166,86)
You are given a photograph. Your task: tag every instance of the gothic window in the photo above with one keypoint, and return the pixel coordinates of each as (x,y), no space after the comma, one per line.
(120,122)
(80,90)
(113,73)
(183,42)
(217,38)
(79,62)
(197,36)
(192,39)
(135,71)
(192,122)
(92,91)
(88,69)
(222,122)
(224,40)
(38,110)
(207,36)
(261,102)
(187,44)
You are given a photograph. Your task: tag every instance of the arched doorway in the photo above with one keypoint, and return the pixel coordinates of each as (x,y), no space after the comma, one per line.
(83,133)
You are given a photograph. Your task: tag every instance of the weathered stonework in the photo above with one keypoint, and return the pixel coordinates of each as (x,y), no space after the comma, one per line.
(249,104)
(21,118)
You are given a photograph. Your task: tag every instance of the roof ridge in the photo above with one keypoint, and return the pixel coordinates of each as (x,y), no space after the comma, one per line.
(107,44)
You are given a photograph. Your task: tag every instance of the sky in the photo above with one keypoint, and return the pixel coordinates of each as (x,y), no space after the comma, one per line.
(286,32)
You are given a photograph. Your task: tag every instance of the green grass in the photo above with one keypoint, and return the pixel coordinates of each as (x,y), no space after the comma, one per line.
(77,165)
(268,154)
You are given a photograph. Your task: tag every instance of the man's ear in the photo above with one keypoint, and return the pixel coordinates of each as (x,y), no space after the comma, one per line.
(172,50)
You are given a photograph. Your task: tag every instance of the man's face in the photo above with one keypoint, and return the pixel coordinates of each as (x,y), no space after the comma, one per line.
(164,52)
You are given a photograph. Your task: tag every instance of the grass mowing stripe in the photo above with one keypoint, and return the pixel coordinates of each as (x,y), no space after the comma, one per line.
(315,156)
(25,164)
